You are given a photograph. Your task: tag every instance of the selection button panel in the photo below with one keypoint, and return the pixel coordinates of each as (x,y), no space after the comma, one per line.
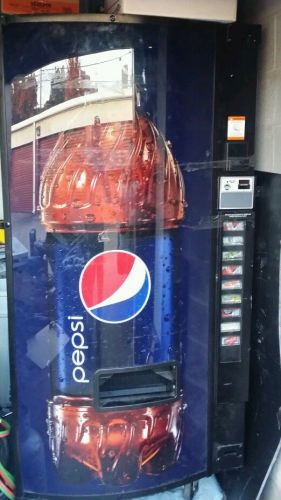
(232,284)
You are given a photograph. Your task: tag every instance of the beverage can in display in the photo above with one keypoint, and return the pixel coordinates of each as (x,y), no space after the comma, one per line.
(231,340)
(112,202)
(233,241)
(231,327)
(232,255)
(231,285)
(234,226)
(231,299)
(232,270)
(231,313)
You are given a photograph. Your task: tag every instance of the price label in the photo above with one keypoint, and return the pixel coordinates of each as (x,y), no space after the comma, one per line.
(236,128)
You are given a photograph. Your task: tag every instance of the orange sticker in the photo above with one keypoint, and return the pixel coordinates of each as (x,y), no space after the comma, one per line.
(40,6)
(236,128)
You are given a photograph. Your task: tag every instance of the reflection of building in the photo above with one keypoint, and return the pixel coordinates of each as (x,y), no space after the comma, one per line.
(34,139)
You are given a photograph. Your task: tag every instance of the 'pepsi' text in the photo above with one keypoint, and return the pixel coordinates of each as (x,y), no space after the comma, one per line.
(78,343)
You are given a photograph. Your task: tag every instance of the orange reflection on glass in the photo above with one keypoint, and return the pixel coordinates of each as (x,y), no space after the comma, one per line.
(120,174)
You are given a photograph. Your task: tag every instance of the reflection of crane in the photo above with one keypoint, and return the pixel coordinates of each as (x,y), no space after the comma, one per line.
(94,75)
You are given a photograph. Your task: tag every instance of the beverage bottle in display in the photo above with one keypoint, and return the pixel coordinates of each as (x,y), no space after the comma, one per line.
(112,199)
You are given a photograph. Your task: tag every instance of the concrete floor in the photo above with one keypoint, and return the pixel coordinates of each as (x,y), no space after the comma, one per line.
(208,489)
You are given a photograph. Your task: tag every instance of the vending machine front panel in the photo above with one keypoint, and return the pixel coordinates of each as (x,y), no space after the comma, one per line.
(110,305)
(127,261)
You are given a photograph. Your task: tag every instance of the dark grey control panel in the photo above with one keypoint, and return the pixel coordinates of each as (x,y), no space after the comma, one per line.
(236,193)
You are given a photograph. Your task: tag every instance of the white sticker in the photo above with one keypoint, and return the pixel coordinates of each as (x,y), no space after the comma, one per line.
(236,184)
(236,128)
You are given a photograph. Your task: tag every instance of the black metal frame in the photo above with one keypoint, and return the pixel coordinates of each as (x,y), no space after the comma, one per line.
(235,92)
(5,141)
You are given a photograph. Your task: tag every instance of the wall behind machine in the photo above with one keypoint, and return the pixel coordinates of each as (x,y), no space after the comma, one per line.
(268,118)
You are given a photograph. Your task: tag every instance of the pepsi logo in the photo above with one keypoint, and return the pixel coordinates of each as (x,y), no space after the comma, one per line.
(115,286)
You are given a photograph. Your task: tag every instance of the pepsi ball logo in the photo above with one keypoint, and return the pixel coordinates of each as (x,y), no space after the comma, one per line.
(115,286)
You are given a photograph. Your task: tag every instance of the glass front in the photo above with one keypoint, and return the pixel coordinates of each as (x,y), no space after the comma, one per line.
(111,265)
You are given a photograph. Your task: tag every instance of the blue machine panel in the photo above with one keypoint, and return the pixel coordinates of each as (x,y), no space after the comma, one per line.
(111,298)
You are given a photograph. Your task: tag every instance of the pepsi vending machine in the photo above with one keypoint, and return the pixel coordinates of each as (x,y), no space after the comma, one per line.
(130,193)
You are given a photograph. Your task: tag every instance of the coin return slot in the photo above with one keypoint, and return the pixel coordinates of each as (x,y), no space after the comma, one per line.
(135,387)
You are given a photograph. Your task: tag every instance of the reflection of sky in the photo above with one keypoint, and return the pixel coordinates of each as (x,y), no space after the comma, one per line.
(103,68)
